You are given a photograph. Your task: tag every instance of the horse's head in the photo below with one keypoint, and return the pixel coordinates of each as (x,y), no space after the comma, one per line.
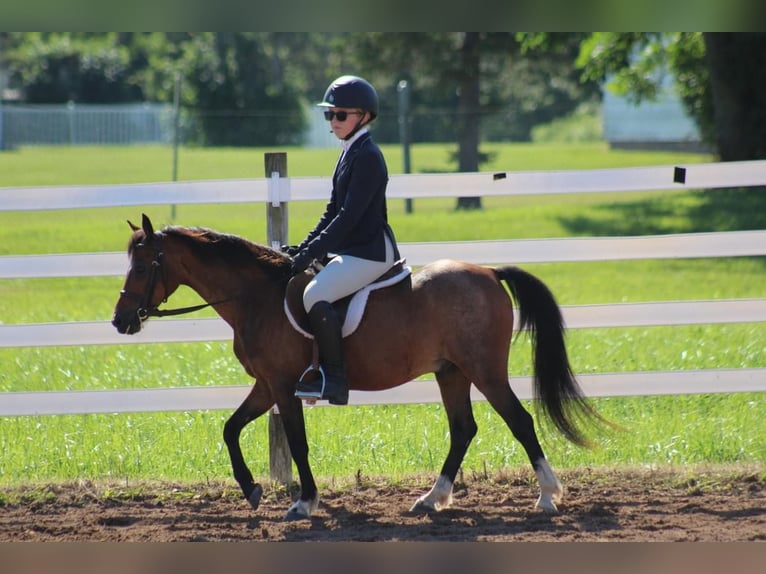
(145,286)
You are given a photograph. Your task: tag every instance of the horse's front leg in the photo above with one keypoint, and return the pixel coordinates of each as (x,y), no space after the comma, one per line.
(291,410)
(257,402)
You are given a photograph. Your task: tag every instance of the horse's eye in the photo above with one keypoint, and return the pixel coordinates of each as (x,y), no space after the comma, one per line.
(139,268)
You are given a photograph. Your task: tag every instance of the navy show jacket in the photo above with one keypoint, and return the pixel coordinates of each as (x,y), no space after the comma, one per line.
(355,220)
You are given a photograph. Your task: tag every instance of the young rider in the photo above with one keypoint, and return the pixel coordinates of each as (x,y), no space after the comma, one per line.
(353,230)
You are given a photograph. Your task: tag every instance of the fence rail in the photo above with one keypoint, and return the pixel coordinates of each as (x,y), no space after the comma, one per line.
(196,398)
(274,190)
(666,313)
(682,245)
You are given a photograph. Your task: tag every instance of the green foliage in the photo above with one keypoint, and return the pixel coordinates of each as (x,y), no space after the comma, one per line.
(517,90)
(248,88)
(234,78)
(228,79)
(582,125)
(56,67)
(719,77)
(632,61)
(686,56)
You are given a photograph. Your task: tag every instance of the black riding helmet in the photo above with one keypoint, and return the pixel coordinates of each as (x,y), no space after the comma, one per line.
(351,92)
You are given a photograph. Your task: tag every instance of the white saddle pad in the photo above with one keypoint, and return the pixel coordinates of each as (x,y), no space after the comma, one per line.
(355,307)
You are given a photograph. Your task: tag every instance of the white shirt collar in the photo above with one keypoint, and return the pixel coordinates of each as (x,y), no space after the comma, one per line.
(346,144)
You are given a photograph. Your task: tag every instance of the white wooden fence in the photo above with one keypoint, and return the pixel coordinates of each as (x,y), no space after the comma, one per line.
(274,191)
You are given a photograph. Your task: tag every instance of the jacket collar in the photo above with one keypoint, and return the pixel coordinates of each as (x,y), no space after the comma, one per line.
(346,144)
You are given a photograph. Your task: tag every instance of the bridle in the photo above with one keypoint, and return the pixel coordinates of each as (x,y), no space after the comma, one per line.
(145,307)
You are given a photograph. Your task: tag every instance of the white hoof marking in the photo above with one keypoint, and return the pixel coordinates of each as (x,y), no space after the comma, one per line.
(438,498)
(551,490)
(302,509)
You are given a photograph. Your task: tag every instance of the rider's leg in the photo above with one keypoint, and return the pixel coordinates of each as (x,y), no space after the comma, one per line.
(342,276)
(327,331)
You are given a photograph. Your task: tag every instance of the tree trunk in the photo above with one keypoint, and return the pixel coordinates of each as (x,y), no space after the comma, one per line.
(737,64)
(468,114)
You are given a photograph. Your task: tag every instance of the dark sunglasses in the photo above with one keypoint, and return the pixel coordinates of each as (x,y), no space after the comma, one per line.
(342,116)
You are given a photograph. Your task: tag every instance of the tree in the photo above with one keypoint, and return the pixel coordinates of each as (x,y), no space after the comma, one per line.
(56,67)
(235,85)
(468,110)
(444,63)
(721,79)
(737,72)
(241,88)
(474,86)
(242,98)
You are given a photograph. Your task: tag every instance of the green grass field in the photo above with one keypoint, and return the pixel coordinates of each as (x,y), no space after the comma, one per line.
(377,440)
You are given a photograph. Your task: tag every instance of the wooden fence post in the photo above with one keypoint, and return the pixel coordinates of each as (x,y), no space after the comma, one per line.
(280,461)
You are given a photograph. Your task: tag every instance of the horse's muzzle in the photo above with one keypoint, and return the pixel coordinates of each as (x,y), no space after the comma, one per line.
(126,324)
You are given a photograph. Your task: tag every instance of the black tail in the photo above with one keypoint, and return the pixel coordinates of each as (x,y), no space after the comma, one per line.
(554,382)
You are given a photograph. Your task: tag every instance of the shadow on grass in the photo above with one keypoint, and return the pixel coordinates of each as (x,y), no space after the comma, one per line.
(720,210)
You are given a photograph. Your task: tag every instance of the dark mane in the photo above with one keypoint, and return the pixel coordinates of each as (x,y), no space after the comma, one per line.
(231,249)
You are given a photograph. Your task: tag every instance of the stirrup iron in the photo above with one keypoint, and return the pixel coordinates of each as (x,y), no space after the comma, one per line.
(311,397)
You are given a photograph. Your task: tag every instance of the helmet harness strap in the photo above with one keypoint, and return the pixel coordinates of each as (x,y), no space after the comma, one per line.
(359,125)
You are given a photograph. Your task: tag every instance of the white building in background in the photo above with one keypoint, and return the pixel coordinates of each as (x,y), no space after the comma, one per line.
(662,123)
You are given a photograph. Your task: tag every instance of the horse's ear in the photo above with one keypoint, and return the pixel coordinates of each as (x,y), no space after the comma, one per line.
(146,223)
(132,226)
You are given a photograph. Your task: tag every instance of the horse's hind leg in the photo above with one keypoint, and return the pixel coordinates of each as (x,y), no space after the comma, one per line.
(257,402)
(508,406)
(455,391)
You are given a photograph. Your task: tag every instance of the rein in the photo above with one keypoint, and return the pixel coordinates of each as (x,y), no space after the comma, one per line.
(157,312)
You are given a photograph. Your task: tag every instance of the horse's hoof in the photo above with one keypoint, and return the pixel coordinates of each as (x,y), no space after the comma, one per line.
(300,510)
(420,507)
(293,515)
(546,505)
(255,496)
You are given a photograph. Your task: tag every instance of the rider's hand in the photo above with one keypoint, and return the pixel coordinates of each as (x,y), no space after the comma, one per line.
(291,250)
(301,262)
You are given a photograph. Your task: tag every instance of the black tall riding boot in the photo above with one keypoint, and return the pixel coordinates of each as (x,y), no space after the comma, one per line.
(327,331)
